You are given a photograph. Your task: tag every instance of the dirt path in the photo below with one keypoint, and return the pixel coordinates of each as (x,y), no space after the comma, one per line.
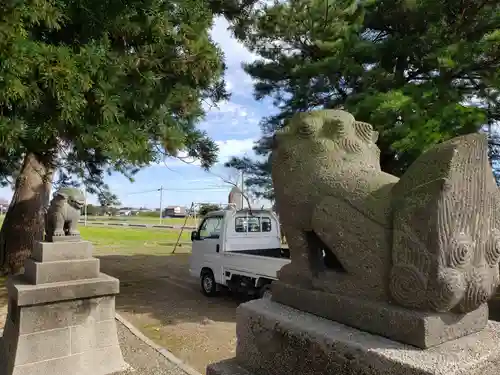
(160,298)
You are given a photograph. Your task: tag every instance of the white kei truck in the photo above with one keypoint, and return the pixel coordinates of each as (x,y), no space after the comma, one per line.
(237,249)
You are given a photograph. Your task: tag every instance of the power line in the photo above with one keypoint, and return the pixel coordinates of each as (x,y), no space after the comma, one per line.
(221,188)
(143,192)
(194,189)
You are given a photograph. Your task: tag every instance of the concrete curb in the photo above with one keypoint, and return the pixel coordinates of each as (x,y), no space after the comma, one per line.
(164,352)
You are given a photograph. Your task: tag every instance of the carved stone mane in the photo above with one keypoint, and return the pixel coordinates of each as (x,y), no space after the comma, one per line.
(446,245)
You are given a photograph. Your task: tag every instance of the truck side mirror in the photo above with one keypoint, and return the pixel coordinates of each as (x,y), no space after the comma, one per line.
(194,235)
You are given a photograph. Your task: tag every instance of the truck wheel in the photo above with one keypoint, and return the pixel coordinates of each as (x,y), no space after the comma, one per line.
(265,291)
(208,284)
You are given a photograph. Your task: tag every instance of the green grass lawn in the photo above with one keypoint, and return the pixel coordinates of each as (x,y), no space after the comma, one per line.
(138,219)
(131,240)
(143,219)
(128,241)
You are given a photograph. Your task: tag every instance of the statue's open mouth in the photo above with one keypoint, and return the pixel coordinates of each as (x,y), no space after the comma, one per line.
(323,257)
(79,203)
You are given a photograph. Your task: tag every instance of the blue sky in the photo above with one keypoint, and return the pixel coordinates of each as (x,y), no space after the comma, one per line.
(233,125)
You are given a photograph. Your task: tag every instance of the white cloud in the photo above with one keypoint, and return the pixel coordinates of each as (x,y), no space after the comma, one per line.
(231,119)
(233,108)
(227,148)
(234,124)
(238,117)
(234,147)
(235,53)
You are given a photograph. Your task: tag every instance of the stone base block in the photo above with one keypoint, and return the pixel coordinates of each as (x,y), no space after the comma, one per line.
(56,251)
(63,270)
(228,367)
(75,238)
(23,293)
(274,339)
(65,336)
(421,329)
(101,361)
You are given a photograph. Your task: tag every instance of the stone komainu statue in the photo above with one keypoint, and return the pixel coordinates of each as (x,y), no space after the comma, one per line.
(427,241)
(63,213)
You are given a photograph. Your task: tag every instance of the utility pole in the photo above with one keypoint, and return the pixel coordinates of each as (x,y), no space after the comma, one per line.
(85,209)
(161,203)
(242,190)
(195,206)
(85,203)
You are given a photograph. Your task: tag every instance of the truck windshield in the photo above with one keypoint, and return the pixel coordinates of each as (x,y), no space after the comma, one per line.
(210,228)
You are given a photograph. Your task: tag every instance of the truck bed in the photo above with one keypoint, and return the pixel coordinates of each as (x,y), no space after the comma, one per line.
(283,253)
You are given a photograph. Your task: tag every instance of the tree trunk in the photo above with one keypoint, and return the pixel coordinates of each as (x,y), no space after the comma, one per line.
(25,218)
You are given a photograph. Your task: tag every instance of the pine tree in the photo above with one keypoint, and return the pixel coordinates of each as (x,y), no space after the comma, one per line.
(88,87)
(493,133)
(258,181)
(410,68)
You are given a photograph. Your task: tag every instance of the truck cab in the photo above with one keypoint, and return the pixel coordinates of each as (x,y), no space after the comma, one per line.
(237,249)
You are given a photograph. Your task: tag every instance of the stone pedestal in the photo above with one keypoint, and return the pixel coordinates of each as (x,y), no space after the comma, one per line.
(61,317)
(418,328)
(274,339)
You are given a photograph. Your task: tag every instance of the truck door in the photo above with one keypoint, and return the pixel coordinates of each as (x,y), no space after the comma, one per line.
(206,247)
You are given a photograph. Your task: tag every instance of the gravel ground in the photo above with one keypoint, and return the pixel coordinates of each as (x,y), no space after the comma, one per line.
(143,359)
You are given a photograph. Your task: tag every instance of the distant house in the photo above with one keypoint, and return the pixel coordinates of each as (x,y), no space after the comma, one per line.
(175,211)
(4,205)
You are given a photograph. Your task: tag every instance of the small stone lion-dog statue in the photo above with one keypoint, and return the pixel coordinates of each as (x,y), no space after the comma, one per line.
(63,213)
(428,241)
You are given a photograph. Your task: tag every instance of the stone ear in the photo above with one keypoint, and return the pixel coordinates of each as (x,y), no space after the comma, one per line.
(365,132)
(61,196)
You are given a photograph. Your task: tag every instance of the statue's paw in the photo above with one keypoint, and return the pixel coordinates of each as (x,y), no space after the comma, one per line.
(408,286)
(58,233)
(296,274)
(492,253)
(73,233)
(483,282)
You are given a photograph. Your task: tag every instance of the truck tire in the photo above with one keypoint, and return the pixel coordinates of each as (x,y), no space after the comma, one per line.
(208,284)
(265,291)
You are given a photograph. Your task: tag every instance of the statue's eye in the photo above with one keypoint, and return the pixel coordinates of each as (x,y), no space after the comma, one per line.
(306,129)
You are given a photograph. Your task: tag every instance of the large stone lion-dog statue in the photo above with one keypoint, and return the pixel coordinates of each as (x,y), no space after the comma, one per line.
(428,241)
